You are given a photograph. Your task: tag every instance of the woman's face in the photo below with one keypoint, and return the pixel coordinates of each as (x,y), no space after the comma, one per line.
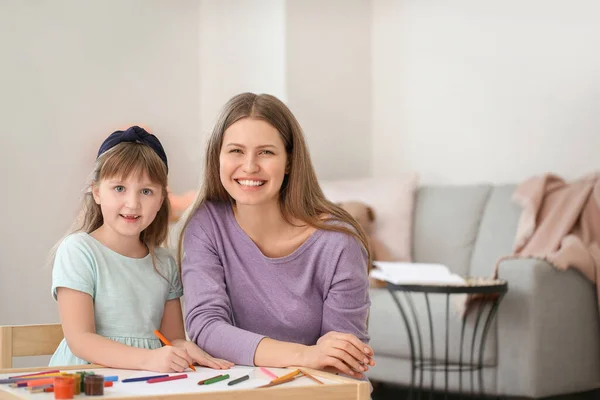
(252,162)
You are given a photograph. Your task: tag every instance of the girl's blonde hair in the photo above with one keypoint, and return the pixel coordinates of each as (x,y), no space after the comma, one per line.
(300,197)
(121,162)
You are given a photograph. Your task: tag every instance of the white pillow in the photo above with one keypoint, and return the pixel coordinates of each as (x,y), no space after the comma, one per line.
(392,199)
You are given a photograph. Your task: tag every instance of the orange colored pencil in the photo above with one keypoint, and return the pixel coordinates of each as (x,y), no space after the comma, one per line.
(286,376)
(309,376)
(167,343)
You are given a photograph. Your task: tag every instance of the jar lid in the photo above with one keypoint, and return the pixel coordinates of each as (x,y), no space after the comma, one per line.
(94,378)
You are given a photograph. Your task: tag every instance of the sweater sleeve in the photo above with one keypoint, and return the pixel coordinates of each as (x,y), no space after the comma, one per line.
(208,317)
(346,306)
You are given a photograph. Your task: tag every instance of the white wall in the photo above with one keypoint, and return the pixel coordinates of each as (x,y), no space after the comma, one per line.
(329,82)
(72,72)
(242,49)
(312,54)
(467,91)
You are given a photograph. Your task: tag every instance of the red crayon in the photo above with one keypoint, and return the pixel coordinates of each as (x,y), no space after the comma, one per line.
(167,378)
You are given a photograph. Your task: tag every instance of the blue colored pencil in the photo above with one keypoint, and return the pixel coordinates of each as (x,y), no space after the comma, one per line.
(143,378)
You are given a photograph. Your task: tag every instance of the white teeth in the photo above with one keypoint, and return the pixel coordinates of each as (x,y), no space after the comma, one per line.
(250,183)
(130,216)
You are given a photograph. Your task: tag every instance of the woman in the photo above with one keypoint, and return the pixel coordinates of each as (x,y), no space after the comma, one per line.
(273,273)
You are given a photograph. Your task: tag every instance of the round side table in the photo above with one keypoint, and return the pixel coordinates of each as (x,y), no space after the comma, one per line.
(485,295)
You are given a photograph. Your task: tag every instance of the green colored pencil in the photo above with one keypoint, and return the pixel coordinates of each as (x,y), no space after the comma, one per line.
(217,379)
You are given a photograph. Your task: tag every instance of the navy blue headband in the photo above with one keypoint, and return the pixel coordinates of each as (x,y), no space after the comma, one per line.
(135,134)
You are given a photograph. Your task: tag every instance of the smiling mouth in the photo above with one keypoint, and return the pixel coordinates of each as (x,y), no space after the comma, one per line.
(247,182)
(129,216)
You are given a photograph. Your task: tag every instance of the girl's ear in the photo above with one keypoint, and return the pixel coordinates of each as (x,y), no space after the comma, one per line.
(95,192)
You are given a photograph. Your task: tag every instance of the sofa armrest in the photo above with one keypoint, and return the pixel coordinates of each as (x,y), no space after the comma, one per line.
(548,331)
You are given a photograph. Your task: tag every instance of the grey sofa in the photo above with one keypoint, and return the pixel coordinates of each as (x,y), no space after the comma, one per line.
(546,336)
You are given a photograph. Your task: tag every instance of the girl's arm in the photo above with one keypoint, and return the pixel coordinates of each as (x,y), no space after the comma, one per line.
(76,311)
(171,327)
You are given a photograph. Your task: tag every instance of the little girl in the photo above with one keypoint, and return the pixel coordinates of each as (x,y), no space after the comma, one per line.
(113,283)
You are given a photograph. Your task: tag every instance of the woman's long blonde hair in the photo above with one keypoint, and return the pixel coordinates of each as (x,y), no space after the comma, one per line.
(300,197)
(120,162)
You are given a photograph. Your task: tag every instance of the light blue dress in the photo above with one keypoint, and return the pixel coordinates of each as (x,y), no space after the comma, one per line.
(129,294)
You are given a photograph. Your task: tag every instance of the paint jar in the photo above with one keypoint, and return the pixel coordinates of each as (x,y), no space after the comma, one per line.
(76,382)
(94,385)
(63,387)
(82,375)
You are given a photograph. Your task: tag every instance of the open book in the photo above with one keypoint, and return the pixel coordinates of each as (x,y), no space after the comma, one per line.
(404,273)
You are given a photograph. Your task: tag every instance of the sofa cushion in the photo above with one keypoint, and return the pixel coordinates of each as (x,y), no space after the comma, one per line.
(446,224)
(392,200)
(496,232)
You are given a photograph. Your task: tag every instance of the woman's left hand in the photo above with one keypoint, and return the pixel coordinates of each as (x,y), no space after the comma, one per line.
(202,357)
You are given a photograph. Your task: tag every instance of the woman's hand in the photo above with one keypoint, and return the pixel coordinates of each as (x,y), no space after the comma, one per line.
(342,351)
(202,357)
(167,359)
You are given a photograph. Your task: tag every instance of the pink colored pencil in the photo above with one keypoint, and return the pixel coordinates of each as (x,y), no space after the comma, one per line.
(167,378)
(37,373)
(268,373)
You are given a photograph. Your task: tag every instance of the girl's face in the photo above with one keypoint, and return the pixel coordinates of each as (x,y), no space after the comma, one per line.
(128,206)
(252,162)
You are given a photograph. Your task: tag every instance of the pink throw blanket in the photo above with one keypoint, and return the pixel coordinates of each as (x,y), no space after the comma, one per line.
(560,223)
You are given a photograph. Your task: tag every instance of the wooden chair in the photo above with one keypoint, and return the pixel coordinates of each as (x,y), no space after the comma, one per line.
(28,340)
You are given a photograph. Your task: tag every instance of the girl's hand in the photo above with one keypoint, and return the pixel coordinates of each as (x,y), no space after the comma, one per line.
(168,359)
(202,357)
(342,351)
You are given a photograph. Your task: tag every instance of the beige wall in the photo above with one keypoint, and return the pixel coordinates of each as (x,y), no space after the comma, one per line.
(328,76)
(468,91)
(71,72)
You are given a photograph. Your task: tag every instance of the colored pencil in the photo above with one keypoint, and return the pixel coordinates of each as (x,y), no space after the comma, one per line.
(167,343)
(37,377)
(19,380)
(238,380)
(278,382)
(37,373)
(112,378)
(40,389)
(290,375)
(309,376)
(268,373)
(207,379)
(167,378)
(217,379)
(40,382)
(143,378)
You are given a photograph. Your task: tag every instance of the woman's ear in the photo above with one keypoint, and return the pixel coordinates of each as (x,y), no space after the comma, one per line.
(370,214)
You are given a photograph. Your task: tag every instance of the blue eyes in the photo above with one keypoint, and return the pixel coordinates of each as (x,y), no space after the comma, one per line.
(121,189)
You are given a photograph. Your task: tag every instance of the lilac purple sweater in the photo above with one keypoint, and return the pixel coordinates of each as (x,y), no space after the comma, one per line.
(235,296)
